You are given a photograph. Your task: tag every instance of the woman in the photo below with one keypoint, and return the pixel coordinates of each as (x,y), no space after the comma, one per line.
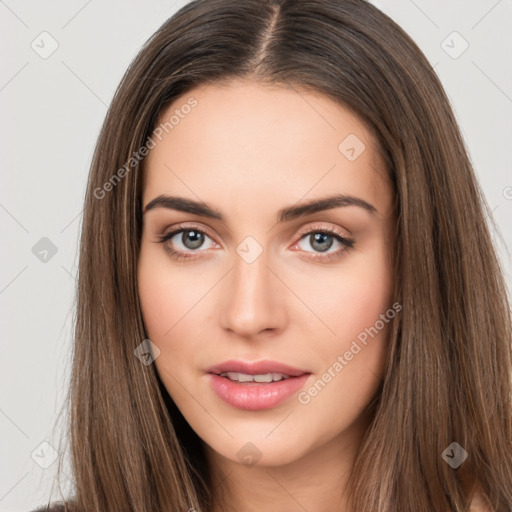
(288,297)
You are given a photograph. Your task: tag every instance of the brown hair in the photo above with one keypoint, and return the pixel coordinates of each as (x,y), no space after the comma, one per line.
(449,367)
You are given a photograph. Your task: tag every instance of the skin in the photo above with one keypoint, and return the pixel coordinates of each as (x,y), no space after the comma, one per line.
(249,150)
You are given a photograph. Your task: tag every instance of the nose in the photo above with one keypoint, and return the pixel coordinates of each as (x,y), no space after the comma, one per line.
(253,298)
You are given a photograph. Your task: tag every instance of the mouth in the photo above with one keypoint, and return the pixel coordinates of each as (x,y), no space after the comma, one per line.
(255,385)
(245,378)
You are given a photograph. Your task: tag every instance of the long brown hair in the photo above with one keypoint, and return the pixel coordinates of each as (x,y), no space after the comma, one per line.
(449,367)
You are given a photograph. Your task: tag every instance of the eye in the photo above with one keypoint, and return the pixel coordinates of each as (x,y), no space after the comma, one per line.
(185,239)
(322,240)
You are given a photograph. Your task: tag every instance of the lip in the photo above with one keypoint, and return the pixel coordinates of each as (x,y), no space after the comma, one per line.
(255,368)
(255,396)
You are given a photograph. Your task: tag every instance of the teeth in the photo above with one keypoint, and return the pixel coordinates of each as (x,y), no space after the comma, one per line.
(268,377)
(243,377)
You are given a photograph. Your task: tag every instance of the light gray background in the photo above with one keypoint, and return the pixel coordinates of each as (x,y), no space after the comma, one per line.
(52,110)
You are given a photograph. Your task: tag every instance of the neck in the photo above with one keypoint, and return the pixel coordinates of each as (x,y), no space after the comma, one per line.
(315,481)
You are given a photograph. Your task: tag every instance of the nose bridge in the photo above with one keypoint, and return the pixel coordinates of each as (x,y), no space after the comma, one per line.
(253,299)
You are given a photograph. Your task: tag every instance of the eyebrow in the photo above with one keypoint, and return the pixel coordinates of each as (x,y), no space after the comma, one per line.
(183,204)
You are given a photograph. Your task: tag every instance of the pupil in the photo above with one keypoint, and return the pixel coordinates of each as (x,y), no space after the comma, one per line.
(319,239)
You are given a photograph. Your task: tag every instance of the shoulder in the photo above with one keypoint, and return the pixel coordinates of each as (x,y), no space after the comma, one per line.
(54,507)
(479,503)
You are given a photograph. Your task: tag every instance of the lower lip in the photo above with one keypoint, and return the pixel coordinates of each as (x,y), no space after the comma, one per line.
(255,396)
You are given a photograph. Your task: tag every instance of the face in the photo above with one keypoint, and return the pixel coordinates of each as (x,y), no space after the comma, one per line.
(271,319)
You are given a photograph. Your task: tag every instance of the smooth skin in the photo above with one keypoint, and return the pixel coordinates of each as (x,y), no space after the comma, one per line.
(249,150)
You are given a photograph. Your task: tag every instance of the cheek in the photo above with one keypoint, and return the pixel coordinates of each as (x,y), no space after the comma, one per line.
(352,298)
(173,302)
(359,311)
(356,306)
(168,299)
(168,295)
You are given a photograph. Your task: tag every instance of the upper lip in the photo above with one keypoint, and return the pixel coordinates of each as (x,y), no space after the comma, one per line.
(255,368)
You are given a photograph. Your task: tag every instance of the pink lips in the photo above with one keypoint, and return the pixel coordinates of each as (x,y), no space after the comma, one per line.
(255,396)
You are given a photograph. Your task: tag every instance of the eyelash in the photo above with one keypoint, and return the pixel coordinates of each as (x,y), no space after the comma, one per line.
(346,242)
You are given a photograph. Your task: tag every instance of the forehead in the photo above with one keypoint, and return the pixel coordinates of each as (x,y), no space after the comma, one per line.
(244,142)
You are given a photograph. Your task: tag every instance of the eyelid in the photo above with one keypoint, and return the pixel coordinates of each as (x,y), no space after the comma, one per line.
(319,227)
(303,231)
(184,227)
